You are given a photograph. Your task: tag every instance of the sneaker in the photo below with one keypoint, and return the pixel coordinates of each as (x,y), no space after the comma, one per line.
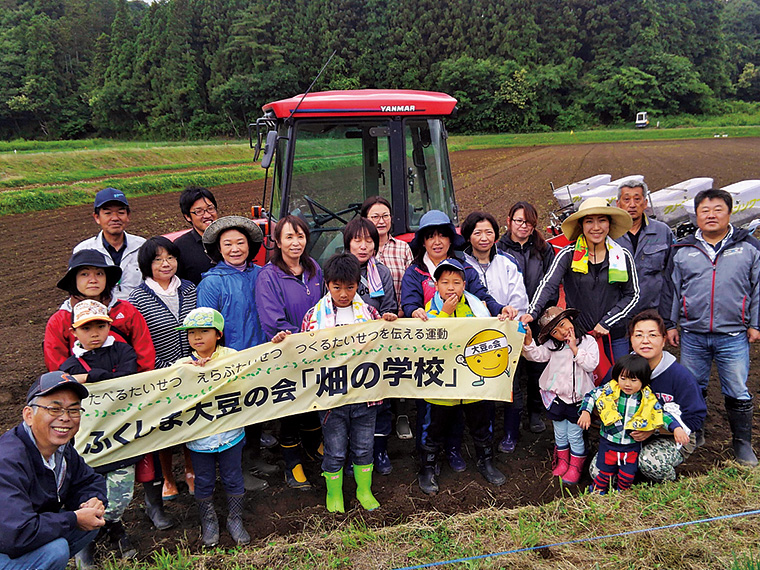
(252,483)
(456,461)
(536,423)
(267,440)
(383,463)
(403,429)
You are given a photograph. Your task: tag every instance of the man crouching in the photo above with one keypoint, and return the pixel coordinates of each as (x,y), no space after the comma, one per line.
(53,503)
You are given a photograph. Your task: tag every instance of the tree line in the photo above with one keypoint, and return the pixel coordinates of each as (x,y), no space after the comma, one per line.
(203,68)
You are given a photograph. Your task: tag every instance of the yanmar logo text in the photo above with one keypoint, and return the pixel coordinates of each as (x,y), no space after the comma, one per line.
(396,108)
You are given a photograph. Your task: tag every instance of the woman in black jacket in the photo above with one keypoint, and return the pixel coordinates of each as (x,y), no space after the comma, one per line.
(535,256)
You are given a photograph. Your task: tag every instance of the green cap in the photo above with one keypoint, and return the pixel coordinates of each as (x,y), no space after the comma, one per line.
(203,318)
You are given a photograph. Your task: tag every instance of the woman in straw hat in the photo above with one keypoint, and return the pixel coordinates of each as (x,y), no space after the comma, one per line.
(230,287)
(598,275)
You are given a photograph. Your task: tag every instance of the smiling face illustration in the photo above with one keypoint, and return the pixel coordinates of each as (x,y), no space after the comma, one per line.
(487,354)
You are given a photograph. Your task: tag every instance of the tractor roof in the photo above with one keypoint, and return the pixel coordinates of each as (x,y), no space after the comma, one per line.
(365,102)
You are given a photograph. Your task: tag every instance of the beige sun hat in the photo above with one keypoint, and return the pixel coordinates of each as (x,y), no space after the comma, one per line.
(247,226)
(620,220)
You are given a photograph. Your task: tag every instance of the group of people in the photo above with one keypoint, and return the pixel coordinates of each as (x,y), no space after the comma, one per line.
(136,304)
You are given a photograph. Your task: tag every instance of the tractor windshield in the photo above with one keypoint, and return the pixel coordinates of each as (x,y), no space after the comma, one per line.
(329,167)
(335,167)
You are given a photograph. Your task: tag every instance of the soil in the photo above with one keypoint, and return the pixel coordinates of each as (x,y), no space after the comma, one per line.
(485,179)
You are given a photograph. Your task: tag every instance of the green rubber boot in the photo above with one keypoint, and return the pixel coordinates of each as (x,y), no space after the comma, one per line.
(363,476)
(335,491)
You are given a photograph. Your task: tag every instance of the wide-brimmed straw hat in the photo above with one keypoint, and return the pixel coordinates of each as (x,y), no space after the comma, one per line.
(437,218)
(620,220)
(551,318)
(88,258)
(218,227)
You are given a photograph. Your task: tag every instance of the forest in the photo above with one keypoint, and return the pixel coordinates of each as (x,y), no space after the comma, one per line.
(181,69)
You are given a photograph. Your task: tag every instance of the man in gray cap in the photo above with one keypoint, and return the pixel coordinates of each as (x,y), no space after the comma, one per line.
(53,502)
(120,248)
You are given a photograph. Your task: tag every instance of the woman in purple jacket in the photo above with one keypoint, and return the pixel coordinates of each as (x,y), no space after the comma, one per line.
(288,286)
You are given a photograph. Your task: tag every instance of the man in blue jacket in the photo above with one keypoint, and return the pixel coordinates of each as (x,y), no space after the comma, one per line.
(716,300)
(53,502)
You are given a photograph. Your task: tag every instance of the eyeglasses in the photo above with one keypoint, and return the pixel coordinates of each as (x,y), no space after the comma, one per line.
(198,212)
(650,336)
(57,411)
(520,222)
(377,217)
(169,258)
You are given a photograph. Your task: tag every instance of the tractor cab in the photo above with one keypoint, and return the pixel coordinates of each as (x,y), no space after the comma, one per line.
(330,151)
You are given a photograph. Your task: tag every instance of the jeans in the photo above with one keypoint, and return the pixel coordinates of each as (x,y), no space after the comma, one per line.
(354,423)
(730,353)
(384,421)
(567,434)
(230,470)
(51,556)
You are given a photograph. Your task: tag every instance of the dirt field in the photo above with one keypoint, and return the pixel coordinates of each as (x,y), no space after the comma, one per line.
(34,249)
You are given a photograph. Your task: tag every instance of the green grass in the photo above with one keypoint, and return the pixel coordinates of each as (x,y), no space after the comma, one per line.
(463,142)
(429,537)
(49,175)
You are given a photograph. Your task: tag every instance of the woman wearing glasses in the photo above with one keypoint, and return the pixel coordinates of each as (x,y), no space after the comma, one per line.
(534,256)
(676,388)
(391,252)
(164,300)
(396,255)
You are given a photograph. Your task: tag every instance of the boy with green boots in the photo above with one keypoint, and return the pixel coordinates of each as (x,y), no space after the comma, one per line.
(351,424)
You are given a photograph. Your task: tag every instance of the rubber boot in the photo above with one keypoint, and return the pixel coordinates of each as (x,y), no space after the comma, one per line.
(486,467)
(209,522)
(334,483)
(511,429)
(294,475)
(363,476)
(154,505)
(740,418)
(235,520)
(117,536)
(426,478)
(170,491)
(382,461)
(85,559)
(311,440)
(561,461)
(573,473)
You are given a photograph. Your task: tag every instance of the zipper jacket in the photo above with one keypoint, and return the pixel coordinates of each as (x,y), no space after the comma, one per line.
(719,295)
(502,278)
(599,302)
(651,259)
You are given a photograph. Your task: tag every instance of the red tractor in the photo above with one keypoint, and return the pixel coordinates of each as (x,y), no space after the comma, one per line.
(330,151)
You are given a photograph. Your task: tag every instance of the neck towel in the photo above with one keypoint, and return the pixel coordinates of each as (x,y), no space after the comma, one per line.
(618,272)
(323,315)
